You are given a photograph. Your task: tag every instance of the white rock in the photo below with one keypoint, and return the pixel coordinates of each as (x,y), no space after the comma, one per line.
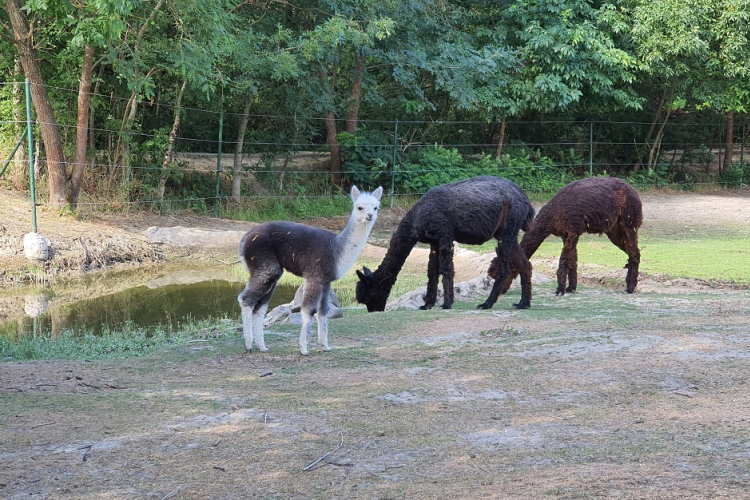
(35,246)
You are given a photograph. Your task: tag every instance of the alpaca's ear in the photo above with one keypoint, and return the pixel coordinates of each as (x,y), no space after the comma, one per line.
(354,193)
(360,275)
(368,273)
(378,193)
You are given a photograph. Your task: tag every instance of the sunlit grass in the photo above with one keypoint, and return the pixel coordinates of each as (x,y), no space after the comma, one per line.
(704,257)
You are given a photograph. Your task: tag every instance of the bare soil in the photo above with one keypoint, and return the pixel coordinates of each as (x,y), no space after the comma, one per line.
(596,394)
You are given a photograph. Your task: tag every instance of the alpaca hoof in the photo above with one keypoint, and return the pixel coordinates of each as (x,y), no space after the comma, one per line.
(305,352)
(447,306)
(560,292)
(522,305)
(248,349)
(570,290)
(484,305)
(264,349)
(327,349)
(425,307)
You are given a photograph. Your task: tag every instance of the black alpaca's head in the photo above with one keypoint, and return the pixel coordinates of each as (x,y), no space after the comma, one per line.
(369,293)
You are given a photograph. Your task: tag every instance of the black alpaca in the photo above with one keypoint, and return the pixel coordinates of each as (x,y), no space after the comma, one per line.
(317,255)
(470,211)
(593,205)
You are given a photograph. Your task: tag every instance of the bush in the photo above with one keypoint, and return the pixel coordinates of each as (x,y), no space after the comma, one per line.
(737,176)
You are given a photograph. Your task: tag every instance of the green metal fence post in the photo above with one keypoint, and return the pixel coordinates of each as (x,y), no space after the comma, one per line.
(12,154)
(742,155)
(31,156)
(591,149)
(393,162)
(218,164)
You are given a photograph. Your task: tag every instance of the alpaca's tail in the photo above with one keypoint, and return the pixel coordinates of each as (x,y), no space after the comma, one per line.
(529,219)
(242,251)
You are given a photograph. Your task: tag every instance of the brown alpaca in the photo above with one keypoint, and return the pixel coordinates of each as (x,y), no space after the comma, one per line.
(593,205)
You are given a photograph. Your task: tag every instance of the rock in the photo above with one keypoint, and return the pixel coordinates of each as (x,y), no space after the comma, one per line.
(35,305)
(178,236)
(475,289)
(290,313)
(35,246)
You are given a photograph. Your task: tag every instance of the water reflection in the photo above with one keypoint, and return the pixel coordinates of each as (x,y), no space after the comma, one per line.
(143,306)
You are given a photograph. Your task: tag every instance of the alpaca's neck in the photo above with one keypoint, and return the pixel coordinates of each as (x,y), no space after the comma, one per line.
(535,236)
(399,249)
(349,244)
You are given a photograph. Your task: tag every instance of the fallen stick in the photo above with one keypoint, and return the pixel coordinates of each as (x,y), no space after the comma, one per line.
(309,467)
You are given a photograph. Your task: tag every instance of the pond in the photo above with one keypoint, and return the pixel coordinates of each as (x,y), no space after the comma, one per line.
(166,302)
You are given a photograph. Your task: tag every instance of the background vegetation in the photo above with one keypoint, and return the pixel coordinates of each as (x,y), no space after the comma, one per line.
(400,93)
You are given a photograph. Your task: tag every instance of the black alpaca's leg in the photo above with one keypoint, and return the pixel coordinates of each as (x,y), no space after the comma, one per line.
(567,265)
(310,300)
(626,239)
(447,271)
(323,307)
(254,304)
(433,268)
(522,266)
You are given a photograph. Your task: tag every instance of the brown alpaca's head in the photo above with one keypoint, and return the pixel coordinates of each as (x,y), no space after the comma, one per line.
(369,293)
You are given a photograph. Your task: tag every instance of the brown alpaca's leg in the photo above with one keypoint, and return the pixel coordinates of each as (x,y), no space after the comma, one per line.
(521,264)
(433,270)
(447,271)
(626,239)
(567,265)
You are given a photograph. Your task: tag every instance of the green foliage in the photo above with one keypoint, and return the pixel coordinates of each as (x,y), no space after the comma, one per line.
(366,157)
(292,208)
(128,342)
(737,177)
(657,176)
(436,165)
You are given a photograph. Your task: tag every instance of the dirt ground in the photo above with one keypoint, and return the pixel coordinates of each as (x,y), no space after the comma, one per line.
(597,394)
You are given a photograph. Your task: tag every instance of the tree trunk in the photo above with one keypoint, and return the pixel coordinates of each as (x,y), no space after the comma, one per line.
(729,149)
(652,155)
(82,132)
(170,145)
(237,168)
(92,133)
(500,140)
(654,122)
(333,143)
(332,133)
(19,170)
(53,146)
(352,114)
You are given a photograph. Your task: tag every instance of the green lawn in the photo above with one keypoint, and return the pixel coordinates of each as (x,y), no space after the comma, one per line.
(705,257)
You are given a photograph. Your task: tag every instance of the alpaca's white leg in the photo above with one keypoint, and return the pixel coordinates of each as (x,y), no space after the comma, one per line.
(304,334)
(324,303)
(247,326)
(323,332)
(258,332)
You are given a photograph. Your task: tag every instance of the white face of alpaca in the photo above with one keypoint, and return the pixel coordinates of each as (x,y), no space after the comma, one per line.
(366,205)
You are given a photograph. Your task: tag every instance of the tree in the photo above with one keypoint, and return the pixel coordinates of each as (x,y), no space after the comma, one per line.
(79,28)
(56,163)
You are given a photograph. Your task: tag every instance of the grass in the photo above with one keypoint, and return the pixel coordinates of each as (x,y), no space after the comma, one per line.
(719,258)
(111,344)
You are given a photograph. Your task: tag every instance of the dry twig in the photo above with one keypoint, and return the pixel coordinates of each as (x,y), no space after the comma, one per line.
(310,467)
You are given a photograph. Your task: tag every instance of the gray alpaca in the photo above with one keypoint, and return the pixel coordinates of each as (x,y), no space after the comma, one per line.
(317,255)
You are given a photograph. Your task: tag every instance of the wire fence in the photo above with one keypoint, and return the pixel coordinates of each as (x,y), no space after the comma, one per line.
(287,156)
